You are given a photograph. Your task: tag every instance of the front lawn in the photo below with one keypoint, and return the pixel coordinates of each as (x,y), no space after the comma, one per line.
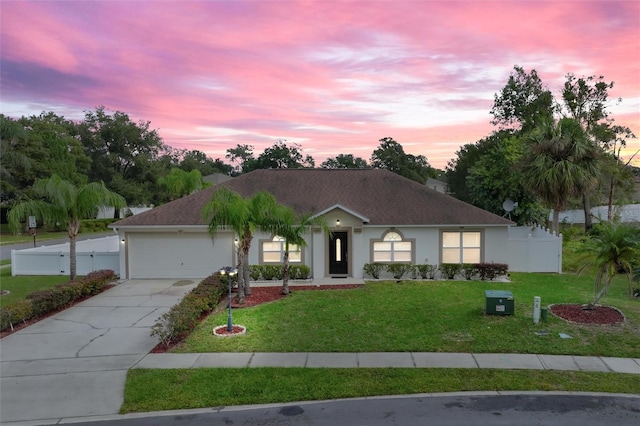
(431,316)
(20,286)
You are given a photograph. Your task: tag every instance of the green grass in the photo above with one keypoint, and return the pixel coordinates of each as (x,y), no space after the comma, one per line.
(7,237)
(20,286)
(439,316)
(153,390)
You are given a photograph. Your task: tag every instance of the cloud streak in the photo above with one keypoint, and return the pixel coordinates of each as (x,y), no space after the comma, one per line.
(334,76)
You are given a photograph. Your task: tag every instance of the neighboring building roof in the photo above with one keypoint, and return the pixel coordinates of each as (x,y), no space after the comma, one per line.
(438,185)
(383,197)
(216,178)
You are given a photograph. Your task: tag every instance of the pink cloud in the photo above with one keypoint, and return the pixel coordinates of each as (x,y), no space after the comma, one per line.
(335,76)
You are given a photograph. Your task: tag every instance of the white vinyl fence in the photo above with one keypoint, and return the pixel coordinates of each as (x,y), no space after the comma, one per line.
(534,249)
(91,255)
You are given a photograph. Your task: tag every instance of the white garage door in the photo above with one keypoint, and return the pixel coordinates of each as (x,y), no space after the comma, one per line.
(186,255)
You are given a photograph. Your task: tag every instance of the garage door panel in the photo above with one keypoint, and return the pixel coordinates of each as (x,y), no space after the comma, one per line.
(177,255)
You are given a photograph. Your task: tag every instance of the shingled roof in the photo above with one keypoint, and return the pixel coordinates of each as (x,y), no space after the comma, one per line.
(383,197)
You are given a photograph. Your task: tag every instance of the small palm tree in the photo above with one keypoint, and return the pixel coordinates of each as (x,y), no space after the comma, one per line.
(244,216)
(293,229)
(615,247)
(60,201)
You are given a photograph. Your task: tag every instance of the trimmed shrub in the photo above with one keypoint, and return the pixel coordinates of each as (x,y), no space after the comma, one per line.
(95,225)
(426,271)
(255,272)
(42,302)
(373,269)
(272,272)
(450,270)
(184,316)
(398,269)
(469,270)
(299,272)
(18,311)
(489,271)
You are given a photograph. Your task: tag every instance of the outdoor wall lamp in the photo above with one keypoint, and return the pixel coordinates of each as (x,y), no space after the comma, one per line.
(231,272)
(122,241)
(338,223)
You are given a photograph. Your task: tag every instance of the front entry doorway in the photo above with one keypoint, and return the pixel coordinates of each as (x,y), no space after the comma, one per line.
(339,253)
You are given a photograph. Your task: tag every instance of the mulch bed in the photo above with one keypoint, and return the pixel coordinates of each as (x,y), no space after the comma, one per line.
(580,314)
(20,326)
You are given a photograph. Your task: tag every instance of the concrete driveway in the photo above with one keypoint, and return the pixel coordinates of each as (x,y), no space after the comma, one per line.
(75,363)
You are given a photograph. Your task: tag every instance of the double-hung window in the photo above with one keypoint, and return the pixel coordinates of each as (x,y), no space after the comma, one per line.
(273,251)
(461,246)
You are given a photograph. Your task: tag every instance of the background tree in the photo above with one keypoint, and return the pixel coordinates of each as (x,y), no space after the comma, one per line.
(495,178)
(122,153)
(65,154)
(345,161)
(560,159)
(179,183)
(523,103)
(282,156)
(13,159)
(391,156)
(197,160)
(243,156)
(60,201)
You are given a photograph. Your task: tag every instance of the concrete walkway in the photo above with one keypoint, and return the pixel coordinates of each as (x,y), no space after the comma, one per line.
(75,362)
(393,360)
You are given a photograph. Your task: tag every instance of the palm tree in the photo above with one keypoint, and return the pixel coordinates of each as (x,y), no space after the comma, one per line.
(561,161)
(616,247)
(293,229)
(60,201)
(244,216)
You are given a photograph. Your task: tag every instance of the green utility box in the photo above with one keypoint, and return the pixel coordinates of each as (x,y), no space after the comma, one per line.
(498,302)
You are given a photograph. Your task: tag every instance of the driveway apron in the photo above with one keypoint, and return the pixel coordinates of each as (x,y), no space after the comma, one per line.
(74,363)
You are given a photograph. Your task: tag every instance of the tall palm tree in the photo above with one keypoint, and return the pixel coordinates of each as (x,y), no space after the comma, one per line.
(60,201)
(616,247)
(293,229)
(560,162)
(243,216)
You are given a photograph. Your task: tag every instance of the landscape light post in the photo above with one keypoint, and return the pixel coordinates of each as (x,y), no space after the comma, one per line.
(231,272)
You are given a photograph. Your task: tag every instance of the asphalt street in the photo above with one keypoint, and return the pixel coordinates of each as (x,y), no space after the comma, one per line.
(560,409)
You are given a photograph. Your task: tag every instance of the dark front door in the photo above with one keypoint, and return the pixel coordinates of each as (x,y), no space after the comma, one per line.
(338,253)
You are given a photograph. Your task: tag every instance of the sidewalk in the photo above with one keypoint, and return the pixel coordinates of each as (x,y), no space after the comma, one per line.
(392,360)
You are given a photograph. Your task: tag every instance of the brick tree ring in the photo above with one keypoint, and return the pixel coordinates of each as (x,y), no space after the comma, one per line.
(221,330)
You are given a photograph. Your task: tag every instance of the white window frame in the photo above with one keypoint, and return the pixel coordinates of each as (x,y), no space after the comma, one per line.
(277,245)
(394,242)
(464,254)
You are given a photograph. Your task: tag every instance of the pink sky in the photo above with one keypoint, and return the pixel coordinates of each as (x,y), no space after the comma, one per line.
(334,76)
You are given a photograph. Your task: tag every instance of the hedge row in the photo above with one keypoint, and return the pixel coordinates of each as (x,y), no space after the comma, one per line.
(274,272)
(95,225)
(184,316)
(42,302)
(483,271)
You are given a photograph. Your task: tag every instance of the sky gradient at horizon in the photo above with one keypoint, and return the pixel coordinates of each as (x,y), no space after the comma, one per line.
(334,76)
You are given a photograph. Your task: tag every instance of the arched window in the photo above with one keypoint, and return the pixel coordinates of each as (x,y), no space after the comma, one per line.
(273,251)
(393,248)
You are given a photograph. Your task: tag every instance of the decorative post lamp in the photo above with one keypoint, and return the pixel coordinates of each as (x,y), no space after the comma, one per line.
(231,272)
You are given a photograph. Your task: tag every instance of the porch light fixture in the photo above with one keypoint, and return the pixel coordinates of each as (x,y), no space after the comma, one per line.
(122,241)
(338,223)
(231,272)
